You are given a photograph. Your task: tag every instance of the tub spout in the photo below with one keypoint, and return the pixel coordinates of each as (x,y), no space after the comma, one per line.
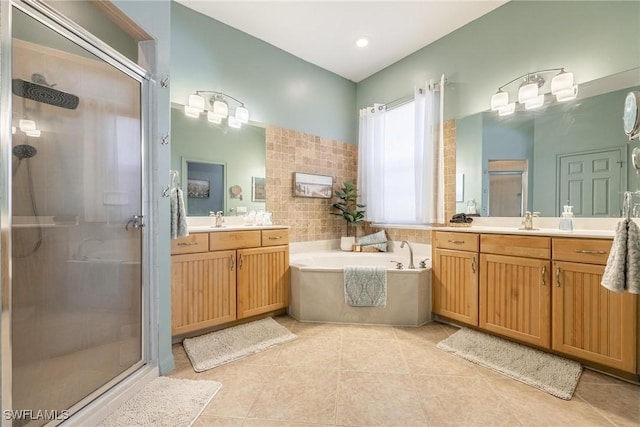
(411,266)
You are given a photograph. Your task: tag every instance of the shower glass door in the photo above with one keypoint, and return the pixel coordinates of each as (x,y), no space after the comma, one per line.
(77,294)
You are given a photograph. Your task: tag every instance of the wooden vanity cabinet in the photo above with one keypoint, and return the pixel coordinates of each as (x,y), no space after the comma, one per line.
(589,321)
(223,276)
(455,276)
(515,295)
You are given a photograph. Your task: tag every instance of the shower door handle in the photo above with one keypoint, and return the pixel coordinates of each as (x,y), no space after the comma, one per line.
(136,221)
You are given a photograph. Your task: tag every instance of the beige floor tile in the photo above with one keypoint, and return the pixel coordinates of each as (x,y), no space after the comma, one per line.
(378,399)
(319,352)
(367,332)
(285,320)
(250,422)
(431,332)
(462,401)
(267,357)
(298,394)
(183,368)
(372,356)
(619,403)
(241,385)
(315,329)
(424,359)
(537,408)
(209,421)
(449,329)
(590,376)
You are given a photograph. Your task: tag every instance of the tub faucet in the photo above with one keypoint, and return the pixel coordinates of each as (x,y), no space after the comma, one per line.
(410,253)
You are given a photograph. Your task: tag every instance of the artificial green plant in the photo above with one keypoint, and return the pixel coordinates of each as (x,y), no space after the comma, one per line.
(347,207)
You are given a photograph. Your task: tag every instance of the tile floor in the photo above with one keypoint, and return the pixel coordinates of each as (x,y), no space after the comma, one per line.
(348,375)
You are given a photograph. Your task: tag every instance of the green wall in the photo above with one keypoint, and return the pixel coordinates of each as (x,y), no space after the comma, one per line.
(591,38)
(278,88)
(242,150)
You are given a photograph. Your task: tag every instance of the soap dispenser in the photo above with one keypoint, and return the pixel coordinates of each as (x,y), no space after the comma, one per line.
(566,219)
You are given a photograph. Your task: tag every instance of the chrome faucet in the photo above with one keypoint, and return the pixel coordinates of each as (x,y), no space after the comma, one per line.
(219,219)
(410,253)
(527,221)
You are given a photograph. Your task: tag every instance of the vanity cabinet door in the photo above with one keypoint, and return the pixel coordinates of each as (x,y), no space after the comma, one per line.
(455,285)
(590,321)
(515,298)
(203,290)
(263,280)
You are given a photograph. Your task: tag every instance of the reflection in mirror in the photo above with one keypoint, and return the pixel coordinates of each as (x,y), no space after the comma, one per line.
(198,146)
(205,184)
(571,153)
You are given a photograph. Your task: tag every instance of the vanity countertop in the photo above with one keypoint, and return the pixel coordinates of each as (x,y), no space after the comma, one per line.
(594,234)
(209,228)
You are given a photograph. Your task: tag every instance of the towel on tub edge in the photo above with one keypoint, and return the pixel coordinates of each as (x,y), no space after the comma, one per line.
(365,286)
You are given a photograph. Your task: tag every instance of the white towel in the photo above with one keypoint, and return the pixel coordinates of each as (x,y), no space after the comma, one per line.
(178,214)
(365,286)
(622,272)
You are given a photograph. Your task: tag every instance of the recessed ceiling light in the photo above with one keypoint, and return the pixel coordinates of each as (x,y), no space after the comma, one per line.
(362,42)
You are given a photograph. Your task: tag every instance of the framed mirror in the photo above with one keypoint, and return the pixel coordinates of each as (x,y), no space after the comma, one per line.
(197,143)
(573,153)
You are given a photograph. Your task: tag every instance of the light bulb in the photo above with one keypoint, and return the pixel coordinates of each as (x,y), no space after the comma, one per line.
(527,92)
(234,123)
(242,114)
(221,108)
(561,82)
(191,111)
(499,100)
(567,95)
(507,109)
(536,102)
(196,102)
(214,118)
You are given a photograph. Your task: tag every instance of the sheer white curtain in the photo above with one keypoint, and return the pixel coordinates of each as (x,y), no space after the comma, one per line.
(429,153)
(371,160)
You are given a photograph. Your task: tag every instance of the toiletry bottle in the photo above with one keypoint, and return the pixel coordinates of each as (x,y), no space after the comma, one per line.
(566,219)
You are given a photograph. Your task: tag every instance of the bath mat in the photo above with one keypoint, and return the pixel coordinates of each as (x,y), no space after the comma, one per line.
(165,402)
(550,373)
(220,347)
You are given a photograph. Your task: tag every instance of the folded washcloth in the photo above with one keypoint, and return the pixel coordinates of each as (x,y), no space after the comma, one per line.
(376,240)
(178,214)
(365,286)
(622,272)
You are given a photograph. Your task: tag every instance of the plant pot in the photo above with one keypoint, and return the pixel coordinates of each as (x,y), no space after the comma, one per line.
(346,243)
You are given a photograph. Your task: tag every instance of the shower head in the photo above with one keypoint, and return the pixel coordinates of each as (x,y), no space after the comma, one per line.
(24,151)
(44,94)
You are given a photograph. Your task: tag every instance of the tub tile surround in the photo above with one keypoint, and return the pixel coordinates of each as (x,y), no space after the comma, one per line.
(394,388)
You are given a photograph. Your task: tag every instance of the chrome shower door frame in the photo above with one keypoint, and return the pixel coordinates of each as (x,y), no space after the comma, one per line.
(147,367)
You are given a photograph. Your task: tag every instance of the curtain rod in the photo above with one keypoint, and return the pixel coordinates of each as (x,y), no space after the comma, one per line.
(407,98)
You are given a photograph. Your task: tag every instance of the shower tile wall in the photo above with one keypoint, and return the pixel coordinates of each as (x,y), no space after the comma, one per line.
(72,165)
(310,219)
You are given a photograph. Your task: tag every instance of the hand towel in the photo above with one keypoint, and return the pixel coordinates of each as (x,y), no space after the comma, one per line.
(365,286)
(633,258)
(622,272)
(178,214)
(376,240)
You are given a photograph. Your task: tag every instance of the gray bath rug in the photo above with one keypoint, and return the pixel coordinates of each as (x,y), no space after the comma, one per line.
(165,402)
(220,347)
(550,373)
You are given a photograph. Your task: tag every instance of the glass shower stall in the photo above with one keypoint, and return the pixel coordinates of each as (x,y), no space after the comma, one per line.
(74,298)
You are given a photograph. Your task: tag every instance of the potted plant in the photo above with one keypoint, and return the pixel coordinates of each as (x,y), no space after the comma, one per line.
(348,208)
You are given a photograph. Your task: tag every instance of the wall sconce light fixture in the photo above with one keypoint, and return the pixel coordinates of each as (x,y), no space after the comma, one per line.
(529,93)
(219,109)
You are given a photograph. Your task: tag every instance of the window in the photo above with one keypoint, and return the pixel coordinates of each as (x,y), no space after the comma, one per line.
(398,173)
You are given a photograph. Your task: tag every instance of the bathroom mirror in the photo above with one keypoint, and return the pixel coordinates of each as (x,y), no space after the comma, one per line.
(238,156)
(572,153)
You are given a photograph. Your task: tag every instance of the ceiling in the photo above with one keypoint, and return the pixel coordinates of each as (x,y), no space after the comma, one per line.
(324,32)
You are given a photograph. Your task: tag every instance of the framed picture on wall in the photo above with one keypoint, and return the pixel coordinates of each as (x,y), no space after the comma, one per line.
(311,185)
(198,189)
(258,189)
